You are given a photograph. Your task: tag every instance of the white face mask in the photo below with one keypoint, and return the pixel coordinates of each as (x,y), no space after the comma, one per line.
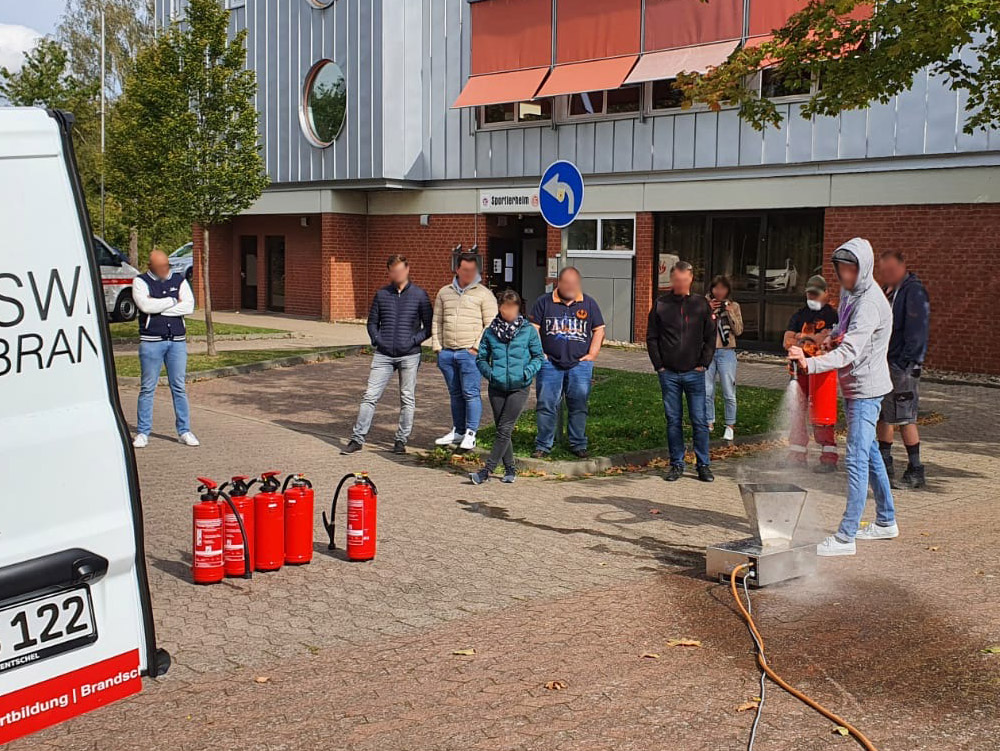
(814,304)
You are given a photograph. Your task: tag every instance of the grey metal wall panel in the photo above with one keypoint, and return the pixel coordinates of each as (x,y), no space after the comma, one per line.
(776,138)
(799,136)
(882,130)
(483,155)
(498,152)
(942,119)
(437,30)
(642,153)
(663,143)
(532,150)
(751,145)
(604,147)
(706,143)
(585,147)
(567,142)
(728,139)
(911,116)
(515,152)
(825,138)
(548,154)
(624,148)
(684,141)
(456,13)
(853,134)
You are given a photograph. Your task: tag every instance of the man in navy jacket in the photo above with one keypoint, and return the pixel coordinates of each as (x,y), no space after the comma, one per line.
(911,312)
(398,323)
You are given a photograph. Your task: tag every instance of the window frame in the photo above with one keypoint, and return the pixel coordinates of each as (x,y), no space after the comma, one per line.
(597,252)
(755,83)
(304,117)
(235,4)
(564,115)
(320,4)
(481,123)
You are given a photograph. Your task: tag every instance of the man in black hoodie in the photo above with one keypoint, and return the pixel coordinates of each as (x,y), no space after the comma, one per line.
(398,323)
(911,312)
(680,339)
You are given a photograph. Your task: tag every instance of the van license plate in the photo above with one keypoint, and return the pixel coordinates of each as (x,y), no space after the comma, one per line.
(45,627)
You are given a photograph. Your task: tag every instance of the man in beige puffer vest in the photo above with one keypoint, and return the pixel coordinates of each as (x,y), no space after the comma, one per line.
(462,310)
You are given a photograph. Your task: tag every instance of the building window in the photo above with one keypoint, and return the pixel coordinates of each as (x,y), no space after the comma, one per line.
(320,3)
(625,100)
(598,234)
(773,85)
(665,95)
(516,113)
(680,237)
(234,4)
(324,103)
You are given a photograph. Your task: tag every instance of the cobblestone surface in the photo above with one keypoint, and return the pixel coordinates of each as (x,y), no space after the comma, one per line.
(550,580)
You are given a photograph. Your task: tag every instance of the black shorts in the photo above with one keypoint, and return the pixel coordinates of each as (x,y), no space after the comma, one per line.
(900,407)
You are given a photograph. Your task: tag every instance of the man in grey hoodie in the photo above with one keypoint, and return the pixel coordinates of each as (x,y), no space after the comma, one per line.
(860,344)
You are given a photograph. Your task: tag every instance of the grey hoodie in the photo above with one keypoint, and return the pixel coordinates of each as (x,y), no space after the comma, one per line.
(866,324)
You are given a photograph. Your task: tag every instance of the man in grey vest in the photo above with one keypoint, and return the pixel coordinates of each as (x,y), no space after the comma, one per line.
(163,299)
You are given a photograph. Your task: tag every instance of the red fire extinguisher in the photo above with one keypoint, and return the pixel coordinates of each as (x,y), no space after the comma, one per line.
(269,524)
(362,499)
(298,520)
(234,556)
(823,398)
(207,564)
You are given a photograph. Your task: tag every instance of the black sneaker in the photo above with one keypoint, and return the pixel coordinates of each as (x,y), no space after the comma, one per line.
(675,473)
(399,447)
(824,469)
(580,453)
(913,478)
(352,447)
(539,454)
(481,477)
(705,474)
(509,475)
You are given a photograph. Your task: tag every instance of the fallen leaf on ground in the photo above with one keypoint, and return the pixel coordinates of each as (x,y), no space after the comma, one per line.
(261,679)
(464,652)
(602,563)
(683,643)
(925,534)
(650,655)
(995,650)
(556,685)
(748,705)
(933,548)
(841,730)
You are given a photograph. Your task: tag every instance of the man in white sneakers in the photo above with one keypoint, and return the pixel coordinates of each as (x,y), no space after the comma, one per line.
(163,299)
(462,311)
(860,343)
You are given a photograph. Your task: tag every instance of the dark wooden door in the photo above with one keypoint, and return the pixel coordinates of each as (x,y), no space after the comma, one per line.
(274,248)
(248,272)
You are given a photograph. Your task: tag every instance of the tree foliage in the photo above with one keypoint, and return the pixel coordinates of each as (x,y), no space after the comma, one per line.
(867,50)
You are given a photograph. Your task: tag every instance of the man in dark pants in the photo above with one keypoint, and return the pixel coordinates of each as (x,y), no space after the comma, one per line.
(680,339)
(911,311)
(399,321)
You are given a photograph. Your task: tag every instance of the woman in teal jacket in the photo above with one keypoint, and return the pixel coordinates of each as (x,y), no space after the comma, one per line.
(510,356)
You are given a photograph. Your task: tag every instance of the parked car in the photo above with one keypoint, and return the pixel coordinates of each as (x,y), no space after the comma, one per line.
(116,280)
(775,280)
(182,260)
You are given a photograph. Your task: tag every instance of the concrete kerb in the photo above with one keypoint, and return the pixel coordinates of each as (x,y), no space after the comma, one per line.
(331,353)
(221,338)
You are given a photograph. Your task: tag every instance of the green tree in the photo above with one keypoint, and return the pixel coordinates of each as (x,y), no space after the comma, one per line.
(867,50)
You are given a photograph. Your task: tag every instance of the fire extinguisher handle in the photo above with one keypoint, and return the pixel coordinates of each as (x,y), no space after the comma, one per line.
(208,483)
(247,569)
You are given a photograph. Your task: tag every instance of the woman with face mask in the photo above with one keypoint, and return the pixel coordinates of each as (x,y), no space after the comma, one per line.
(816,320)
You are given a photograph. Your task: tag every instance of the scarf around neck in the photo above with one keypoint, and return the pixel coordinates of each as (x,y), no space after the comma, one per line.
(504,330)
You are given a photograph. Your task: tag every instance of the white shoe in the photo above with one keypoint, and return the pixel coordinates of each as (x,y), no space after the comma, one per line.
(468,441)
(140,441)
(448,438)
(728,435)
(875,532)
(832,546)
(188,439)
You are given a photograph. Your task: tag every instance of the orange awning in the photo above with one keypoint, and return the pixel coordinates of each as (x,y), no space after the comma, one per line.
(655,66)
(501,88)
(595,75)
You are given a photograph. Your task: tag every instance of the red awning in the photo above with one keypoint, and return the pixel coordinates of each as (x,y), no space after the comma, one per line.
(501,88)
(595,75)
(768,15)
(510,35)
(685,23)
(655,66)
(597,29)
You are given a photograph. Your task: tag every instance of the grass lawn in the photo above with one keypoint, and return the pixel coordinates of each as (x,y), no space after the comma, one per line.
(128,365)
(195,327)
(626,414)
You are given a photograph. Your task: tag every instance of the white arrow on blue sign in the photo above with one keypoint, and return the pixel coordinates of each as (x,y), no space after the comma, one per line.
(560,193)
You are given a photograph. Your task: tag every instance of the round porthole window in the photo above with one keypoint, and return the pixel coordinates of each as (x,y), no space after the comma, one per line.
(320,3)
(324,103)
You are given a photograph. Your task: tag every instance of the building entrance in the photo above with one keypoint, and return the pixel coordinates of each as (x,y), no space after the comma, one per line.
(516,257)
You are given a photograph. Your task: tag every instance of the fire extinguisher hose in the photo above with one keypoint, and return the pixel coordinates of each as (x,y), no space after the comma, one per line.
(247,570)
(330,523)
(762,662)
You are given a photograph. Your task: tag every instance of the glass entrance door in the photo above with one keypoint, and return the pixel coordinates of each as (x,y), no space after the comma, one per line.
(736,243)
(275,250)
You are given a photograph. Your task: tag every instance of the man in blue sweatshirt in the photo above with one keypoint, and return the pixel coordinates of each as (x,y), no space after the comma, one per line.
(911,312)
(398,323)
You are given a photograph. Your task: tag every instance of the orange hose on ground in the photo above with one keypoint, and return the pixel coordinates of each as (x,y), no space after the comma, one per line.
(762,661)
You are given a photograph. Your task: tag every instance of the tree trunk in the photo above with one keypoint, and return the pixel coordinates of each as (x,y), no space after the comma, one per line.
(133,246)
(209,330)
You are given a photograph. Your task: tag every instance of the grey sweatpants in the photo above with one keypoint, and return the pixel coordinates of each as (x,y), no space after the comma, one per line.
(507,407)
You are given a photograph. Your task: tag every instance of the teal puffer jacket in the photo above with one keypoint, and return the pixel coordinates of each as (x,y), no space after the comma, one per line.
(514,365)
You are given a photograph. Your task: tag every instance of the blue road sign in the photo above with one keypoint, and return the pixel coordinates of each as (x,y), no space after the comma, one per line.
(560,193)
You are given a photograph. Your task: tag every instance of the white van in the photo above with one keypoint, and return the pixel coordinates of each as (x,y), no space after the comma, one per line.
(116,281)
(76,623)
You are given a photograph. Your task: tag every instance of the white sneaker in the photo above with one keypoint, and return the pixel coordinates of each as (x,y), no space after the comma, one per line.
(728,435)
(468,441)
(448,438)
(188,439)
(140,441)
(832,546)
(875,532)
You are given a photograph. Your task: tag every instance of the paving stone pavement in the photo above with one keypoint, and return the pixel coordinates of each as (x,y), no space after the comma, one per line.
(551,580)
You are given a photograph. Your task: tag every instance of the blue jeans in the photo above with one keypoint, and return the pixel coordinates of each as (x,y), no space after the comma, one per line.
(723,367)
(463,378)
(674,387)
(152,357)
(379,376)
(864,467)
(552,384)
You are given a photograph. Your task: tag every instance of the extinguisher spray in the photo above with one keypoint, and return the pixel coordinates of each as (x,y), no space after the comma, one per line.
(362,500)
(269,524)
(207,562)
(234,554)
(298,519)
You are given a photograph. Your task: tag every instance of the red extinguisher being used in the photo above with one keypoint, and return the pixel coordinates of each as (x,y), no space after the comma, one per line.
(298,520)
(362,499)
(823,398)
(207,562)
(269,524)
(234,555)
